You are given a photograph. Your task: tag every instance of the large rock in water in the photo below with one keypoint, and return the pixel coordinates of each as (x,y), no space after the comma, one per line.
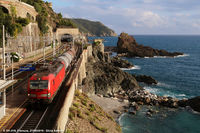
(118,62)
(194,103)
(127,46)
(146,79)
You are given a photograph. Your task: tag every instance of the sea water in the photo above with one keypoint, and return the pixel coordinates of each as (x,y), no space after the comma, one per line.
(177,77)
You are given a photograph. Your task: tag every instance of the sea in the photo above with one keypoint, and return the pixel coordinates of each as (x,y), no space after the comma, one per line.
(177,77)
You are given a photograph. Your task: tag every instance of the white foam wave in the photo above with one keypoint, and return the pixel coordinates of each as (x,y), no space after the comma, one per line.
(120,119)
(151,90)
(164,92)
(132,68)
(181,95)
(163,85)
(184,55)
(161,57)
(178,56)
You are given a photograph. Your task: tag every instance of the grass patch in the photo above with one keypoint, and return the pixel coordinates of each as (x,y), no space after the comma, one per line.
(75,104)
(71,115)
(84,102)
(100,113)
(69,131)
(87,113)
(98,118)
(77,93)
(92,108)
(118,128)
(97,126)
(79,114)
(109,117)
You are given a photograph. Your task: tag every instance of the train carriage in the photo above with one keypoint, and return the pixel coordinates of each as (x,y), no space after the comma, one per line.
(44,84)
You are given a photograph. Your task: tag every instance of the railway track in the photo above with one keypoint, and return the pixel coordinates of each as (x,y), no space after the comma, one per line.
(32,120)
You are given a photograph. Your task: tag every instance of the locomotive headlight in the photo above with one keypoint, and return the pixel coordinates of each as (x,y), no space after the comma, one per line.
(49,94)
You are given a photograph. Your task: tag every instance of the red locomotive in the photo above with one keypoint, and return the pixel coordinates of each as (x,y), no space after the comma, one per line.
(44,84)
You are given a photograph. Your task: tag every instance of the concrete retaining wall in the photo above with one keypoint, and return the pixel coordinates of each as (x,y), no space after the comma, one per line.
(78,76)
(2,113)
(36,52)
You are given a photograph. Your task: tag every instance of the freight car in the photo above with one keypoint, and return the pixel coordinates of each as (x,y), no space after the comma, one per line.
(45,83)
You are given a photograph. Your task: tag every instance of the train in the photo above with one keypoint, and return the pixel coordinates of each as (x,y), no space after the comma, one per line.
(45,83)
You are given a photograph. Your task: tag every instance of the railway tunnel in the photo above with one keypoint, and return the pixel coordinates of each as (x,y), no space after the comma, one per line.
(4,9)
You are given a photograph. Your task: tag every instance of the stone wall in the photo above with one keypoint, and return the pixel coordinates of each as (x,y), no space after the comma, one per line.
(80,74)
(22,8)
(26,41)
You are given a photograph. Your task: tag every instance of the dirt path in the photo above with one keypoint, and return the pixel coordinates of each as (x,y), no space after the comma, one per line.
(110,105)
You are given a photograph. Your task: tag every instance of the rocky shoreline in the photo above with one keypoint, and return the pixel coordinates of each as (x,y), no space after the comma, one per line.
(107,80)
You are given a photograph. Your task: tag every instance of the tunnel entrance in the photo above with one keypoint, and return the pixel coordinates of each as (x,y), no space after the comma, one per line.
(4,10)
(66,38)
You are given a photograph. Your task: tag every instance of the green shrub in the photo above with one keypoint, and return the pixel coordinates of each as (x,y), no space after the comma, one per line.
(84,102)
(76,104)
(92,108)
(23,21)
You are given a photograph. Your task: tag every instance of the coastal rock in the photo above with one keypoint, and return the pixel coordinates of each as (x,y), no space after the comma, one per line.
(135,106)
(116,112)
(194,103)
(110,49)
(133,112)
(104,78)
(98,51)
(149,114)
(116,61)
(146,79)
(183,102)
(127,46)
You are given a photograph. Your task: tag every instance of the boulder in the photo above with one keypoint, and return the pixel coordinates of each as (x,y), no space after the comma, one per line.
(149,114)
(194,103)
(146,79)
(127,46)
(118,62)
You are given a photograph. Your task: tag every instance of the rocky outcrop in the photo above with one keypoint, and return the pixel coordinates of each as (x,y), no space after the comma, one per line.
(110,49)
(118,62)
(145,79)
(104,78)
(127,46)
(194,103)
(143,97)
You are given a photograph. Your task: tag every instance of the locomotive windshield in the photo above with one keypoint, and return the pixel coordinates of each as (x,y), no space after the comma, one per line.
(39,84)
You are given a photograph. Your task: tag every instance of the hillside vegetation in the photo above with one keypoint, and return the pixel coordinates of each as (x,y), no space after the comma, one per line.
(13,24)
(86,116)
(47,17)
(93,28)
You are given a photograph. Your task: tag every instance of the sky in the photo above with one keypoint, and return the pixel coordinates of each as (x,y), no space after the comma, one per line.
(171,17)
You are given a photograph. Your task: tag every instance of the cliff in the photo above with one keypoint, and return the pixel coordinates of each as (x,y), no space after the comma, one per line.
(103,77)
(93,28)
